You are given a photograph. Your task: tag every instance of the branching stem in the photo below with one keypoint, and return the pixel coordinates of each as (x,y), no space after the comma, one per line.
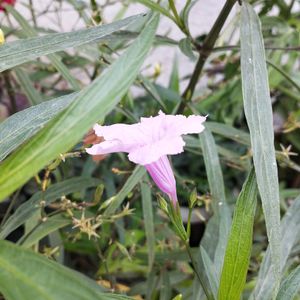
(207,48)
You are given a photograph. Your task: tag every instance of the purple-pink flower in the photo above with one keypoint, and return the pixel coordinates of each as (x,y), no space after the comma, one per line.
(149,142)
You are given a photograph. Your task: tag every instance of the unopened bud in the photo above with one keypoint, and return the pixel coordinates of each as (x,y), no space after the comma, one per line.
(162,203)
(193,198)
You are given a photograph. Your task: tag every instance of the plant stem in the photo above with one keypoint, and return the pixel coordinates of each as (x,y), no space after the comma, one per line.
(205,52)
(291,6)
(284,74)
(194,263)
(174,11)
(188,228)
(10,207)
(32,13)
(176,16)
(23,239)
(10,91)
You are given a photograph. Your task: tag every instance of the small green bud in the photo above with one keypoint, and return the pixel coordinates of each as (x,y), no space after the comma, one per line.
(193,198)
(178,297)
(162,203)
(98,193)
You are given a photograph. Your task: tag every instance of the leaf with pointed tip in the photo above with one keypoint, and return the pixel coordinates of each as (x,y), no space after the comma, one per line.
(238,250)
(22,125)
(24,50)
(148,220)
(25,275)
(91,104)
(289,238)
(290,286)
(54,192)
(258,111)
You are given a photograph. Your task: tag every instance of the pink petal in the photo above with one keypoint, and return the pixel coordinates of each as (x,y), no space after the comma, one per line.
(148,140)
(124,133)
(152,152)
(164,126)
(107,147)
(162,174)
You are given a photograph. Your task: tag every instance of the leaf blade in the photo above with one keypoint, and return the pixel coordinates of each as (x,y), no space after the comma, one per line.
(149,222)
(289,238)
(54,192)
(290,285)
(90,105)
(258,111)
(21,51)
(24,124)
(26,275)
(239,244)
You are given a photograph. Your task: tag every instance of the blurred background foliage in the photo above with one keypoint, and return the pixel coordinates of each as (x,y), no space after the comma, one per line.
(66,213)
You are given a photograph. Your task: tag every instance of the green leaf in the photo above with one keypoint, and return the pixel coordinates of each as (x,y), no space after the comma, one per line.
(54,58)
(23,125)
(25,275)
(184,15)
(216,233)
(289,238)
(165,288)
(229,132)
(90,105)
(238,251)
(148,220)
(54,192)
(24,50)
(258,111)
(233,157)
(151,89)
(32,94)
(174,78)
(44,228)
(156,7)
(290,286)
(115,202)
(209,271)
(284,74)
(186,48)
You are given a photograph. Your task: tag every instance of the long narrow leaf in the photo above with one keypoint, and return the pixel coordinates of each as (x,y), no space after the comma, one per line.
(54,192)
(23,125)
(43,229)
(290,286)
(26,84)
(210,271)
(289,238)
(239,245)
(132,181)
(258,110)
(148,220)
(156,7)
(25,275)
(90,105)
(215,236)
(214,242)
(18,52)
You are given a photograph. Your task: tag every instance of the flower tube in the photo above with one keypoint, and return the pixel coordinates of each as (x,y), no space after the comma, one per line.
(148,143)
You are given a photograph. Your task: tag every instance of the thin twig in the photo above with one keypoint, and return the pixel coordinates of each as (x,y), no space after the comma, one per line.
(207,293)
(10,207)
(205,52)
(10,92)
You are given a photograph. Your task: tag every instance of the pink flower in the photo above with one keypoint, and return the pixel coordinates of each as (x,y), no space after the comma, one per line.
(148,143)
(8,2)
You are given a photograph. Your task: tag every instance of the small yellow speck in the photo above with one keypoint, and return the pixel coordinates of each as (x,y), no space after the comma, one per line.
(2,38)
